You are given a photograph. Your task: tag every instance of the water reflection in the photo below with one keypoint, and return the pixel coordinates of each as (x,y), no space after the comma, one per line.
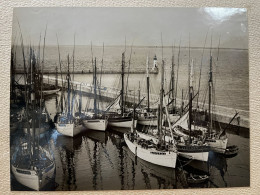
(101,161)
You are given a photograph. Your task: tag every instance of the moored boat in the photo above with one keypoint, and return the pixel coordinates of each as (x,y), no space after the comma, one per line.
(34,175)
(159,153)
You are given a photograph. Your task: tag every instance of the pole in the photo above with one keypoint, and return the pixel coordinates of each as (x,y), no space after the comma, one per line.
(95,87)
(122,87)
(148,85)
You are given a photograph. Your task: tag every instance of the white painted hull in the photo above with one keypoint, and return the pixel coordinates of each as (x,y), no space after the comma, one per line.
(147,121)
(201,156)
(125,124)
(49,92)
(96,124)
(218,145)
(70,130)
(33,180)
(166,159)
(154,121)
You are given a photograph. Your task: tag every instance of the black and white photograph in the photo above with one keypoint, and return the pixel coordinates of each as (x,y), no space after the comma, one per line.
(129,98)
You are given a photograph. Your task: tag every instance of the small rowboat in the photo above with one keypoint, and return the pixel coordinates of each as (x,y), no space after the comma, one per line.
(195,179)
(231,151)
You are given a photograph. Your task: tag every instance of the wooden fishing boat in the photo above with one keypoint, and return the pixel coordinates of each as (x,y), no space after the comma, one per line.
(120,118)
(231,151)
(147,150)
(67,123)
(95,121)
(32,165)
(150,153)
(32,174)
(50,92)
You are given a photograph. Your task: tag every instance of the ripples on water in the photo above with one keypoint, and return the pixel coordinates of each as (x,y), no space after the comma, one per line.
(102,161)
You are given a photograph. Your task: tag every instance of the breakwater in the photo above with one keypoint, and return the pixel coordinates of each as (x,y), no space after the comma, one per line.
(220,114)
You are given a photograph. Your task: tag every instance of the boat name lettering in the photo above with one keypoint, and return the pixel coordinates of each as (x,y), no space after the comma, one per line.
(158,153)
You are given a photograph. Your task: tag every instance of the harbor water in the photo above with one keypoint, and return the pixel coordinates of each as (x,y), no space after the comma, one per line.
(101,161)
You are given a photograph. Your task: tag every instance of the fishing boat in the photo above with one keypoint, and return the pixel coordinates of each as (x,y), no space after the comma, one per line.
(146,117)
(186,146)
(190,148)
(159,154)
(48,89)
(95,121)
(67,123)
(216,140)
(32,165)
(34,172)
(121,118)
(231,151)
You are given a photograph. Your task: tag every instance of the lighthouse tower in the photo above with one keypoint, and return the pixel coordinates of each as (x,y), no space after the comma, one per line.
(154,63)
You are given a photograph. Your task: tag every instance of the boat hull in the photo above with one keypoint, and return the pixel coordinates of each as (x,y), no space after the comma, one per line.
(166,159)
(31,179)
(70,130)
(200,156)
(218,145)
(126,123)
(153,121)
(50,92)
(96,124)
(147,121)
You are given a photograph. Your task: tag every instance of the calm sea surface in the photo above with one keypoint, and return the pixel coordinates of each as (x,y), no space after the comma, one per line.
(102,161)
(230,69)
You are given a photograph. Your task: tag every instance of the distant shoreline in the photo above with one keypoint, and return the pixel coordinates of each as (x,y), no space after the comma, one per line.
(139,46)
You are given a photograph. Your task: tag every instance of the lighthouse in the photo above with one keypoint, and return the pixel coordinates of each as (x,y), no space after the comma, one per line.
(155,63)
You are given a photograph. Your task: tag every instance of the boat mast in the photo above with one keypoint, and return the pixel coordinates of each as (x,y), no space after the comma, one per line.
(33,99)
(95,87)
(210,94)
(80,101)
(122,87)
(56,77)
(68,83)
(139,93)
(62,84)
(190,98)
(134,130)
(160,115)
(172,80)
(148,84)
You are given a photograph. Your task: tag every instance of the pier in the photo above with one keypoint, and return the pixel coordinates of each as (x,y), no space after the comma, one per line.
(220,114)
(90,71)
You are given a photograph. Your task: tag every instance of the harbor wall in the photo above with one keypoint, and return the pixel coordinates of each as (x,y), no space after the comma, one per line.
(220,114)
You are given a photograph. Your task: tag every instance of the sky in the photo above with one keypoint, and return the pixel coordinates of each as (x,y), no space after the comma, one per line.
(137,26)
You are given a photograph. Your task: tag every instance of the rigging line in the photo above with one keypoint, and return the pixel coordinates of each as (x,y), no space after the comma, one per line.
(176,89)
(102,63)
(205,94)
(73,57)
(128,70)
(162,45)
(218,46)
(201,64)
